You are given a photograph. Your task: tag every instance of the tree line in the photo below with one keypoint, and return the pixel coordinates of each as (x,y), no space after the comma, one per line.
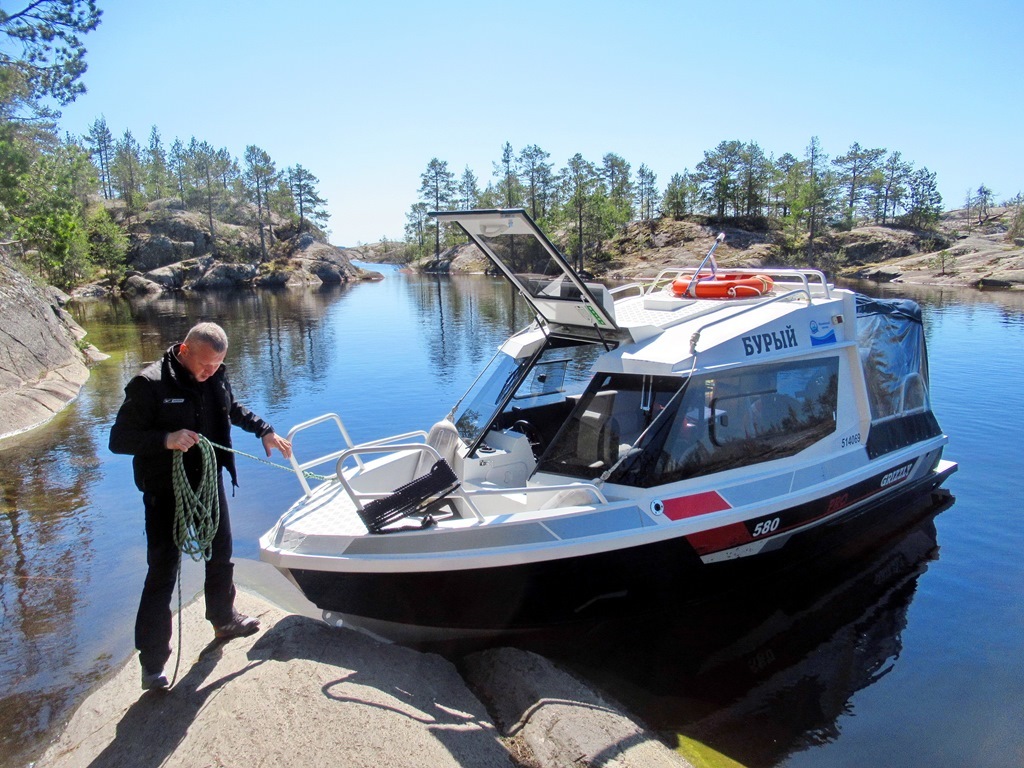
(203,178)
(588,202)
(52,187)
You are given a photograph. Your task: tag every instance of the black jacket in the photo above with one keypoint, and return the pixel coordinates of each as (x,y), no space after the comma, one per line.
(164,398)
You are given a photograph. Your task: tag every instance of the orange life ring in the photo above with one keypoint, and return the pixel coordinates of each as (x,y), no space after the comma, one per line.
(725,286)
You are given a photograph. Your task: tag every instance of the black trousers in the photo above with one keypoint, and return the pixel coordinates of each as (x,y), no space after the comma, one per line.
(153,621)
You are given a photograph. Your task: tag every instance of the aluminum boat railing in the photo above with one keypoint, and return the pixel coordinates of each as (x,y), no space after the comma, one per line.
(397,444)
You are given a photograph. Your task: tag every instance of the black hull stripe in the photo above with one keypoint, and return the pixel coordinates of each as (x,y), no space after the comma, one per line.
(548,593)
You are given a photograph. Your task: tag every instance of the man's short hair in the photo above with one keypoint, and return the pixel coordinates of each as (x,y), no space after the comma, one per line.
(210,334)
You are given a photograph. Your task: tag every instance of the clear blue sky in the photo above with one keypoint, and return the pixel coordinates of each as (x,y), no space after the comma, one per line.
(364,94)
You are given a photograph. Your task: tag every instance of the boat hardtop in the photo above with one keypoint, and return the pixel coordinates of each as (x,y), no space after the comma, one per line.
(630,435)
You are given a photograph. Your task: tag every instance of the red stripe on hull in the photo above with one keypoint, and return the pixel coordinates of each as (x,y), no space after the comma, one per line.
(692,506)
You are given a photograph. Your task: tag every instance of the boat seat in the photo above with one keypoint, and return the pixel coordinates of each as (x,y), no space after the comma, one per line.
(598,440)
(444,438)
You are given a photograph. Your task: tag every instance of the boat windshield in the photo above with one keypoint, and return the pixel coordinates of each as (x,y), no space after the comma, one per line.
(476,408)
(540,389)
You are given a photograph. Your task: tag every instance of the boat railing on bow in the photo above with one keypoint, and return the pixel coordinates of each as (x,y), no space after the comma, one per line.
(302,468)
(378,485)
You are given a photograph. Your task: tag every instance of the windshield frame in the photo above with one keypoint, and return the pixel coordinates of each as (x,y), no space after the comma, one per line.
(515,380)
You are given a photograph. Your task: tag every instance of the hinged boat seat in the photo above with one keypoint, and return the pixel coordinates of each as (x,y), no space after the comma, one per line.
(444,438)
(421,496)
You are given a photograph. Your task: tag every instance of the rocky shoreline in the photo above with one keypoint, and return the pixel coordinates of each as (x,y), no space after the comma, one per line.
(303,693)
(959,252)
(172,249)
(43,358)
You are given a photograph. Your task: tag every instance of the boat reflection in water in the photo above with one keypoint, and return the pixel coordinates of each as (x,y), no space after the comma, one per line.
(767,673)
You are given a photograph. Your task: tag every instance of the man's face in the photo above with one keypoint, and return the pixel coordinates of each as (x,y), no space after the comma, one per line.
(201,360)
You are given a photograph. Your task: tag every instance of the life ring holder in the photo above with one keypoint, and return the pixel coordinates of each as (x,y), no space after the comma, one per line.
(711,285)
(722,286)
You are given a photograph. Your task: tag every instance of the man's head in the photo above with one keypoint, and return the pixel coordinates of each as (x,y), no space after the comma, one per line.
(203,350)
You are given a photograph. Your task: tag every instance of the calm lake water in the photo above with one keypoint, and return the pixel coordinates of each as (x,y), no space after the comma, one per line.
(913,658)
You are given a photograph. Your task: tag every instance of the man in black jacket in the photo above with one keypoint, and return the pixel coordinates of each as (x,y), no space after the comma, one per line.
(167,407)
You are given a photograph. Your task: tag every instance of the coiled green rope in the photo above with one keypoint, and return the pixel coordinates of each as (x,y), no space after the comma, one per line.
(196,516)
(197,510)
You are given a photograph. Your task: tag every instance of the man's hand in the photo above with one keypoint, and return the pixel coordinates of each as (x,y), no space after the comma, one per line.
(272,440)
(181,440)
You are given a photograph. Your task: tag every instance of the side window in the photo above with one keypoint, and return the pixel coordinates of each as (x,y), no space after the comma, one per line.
(774,412)
(612,416)
(737,419)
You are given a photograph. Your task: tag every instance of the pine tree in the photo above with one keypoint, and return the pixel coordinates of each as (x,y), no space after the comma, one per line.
(679,196)
(717,175)
(307,198)
(580,179)
(856,168)
(535,178)
(259,176)
(618,188)
(508,182)
(437,189)
(646,192)
(201,162)
(816,193)
(983,198)
(416,224)
(102,142)
(127,172)
(177,162)
(753,174)
(469,190)
(52,61)
(786,174)
(893,180)
(925,204)
(156,168)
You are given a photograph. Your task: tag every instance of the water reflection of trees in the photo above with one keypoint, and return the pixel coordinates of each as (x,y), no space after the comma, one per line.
(65,529)
(278,338)
(464,317)
(46,562)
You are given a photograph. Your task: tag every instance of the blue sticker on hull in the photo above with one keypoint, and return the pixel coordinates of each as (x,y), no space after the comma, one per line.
(822,333)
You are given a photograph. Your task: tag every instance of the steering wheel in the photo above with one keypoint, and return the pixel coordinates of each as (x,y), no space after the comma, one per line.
(524,427)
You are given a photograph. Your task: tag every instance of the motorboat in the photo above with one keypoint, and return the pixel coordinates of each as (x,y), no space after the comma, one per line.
(662,441)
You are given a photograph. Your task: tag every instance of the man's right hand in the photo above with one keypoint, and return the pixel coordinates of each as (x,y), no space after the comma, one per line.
(181,440)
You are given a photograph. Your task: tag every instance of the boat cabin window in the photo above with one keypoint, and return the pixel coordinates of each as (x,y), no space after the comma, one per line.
(613,413)
(646,431)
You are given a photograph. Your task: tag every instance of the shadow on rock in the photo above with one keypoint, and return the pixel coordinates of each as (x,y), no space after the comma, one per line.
(154,726)
(376,683)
